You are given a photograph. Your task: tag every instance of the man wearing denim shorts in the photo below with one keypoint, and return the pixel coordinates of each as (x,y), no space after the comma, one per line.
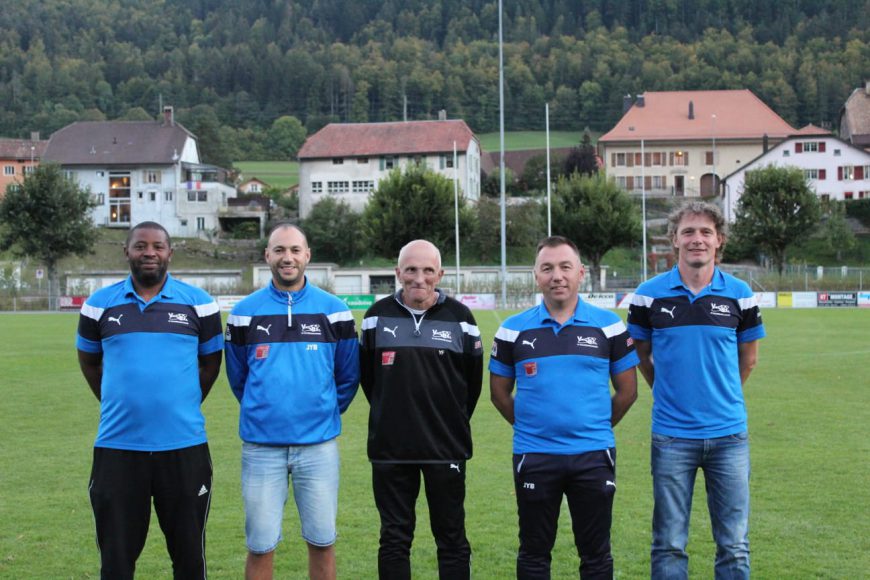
(292,362)
(696,331)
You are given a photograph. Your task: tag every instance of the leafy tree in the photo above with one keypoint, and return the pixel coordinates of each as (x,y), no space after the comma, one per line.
(285,137)
(534,177)
(203,122)
(582,159)
(47,218)
(777,209)
(525,226)
(136,114)
(334,231)
(491,184)
(837,234)
(596,214)
(417,203)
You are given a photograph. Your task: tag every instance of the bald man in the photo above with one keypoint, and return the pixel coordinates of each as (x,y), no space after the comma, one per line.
(421,366)
(292,363)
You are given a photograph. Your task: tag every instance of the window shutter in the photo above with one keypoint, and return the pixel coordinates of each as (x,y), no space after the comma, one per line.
(382,163)
(840,173)
(859,172)
(821,146)
(798,147)
(647,182)
(629,159)
(441,162)
(629,183)
(821,174)
(613,159)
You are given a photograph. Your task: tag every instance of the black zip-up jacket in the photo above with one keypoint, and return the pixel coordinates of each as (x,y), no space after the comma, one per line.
(422,375)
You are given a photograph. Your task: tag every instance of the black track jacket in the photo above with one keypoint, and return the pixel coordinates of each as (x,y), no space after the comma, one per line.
(422,376)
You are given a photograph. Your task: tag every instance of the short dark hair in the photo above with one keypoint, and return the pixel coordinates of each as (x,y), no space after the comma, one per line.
(703,208)
(286,224)
(555,242)
(147,226)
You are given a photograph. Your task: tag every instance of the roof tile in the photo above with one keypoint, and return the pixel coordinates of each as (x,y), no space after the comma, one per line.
(395,138)
(739,114)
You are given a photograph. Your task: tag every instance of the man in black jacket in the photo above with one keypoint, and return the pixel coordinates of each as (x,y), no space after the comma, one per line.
(422,367)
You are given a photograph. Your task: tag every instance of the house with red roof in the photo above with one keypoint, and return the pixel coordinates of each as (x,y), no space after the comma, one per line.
(18,157)
(835,169)
(680,143)
(347,160)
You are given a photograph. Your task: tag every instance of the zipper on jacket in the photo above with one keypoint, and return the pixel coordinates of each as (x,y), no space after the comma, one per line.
(289,310)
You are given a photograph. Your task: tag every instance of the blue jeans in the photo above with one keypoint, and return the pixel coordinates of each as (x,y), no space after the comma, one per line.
(675,462)
(313,470)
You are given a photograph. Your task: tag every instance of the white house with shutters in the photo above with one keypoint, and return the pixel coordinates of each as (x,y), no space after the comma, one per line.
(347,160)
(835,169)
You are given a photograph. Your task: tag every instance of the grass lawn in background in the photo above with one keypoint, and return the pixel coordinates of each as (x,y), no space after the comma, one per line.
(282,174)
(808,410)
(520,140)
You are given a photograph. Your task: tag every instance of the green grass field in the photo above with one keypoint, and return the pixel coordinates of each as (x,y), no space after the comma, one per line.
(520,140)
(282,174)
(809,418)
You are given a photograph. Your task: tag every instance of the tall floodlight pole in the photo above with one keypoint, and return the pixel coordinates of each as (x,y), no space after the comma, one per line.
(501,160)
(549,205)
(643,205)
(715,177)
(456,216)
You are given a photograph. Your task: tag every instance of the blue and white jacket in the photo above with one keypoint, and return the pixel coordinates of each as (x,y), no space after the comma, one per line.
(293,364)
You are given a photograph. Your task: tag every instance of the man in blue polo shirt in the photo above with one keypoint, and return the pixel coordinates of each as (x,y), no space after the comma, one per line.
(563,355)
(696,330)
(293,364)
(150,349)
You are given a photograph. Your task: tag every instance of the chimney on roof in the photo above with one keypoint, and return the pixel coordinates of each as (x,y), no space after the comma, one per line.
(640,101)
(691,110)
(442,115)
(765,143)
(34,135)
(168,116)
(626,103)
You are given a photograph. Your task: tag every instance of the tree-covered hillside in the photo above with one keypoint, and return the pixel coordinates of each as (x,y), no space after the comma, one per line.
(244,63)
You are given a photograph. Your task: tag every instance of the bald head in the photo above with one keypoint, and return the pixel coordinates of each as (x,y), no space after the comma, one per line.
(423,248)
(419,272)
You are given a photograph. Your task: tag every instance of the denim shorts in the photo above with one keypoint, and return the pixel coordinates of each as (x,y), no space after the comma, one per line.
(313,470)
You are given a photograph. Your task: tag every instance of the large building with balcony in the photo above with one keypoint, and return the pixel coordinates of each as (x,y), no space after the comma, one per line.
(681,143)
(143,171)
(346,161)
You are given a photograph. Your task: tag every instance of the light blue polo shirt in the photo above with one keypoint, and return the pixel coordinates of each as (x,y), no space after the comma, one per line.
(697,392)
(150,392)
(562,402)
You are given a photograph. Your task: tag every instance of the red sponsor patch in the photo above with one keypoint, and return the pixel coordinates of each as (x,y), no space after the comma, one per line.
(388,357)
(531,368)
(262,351)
